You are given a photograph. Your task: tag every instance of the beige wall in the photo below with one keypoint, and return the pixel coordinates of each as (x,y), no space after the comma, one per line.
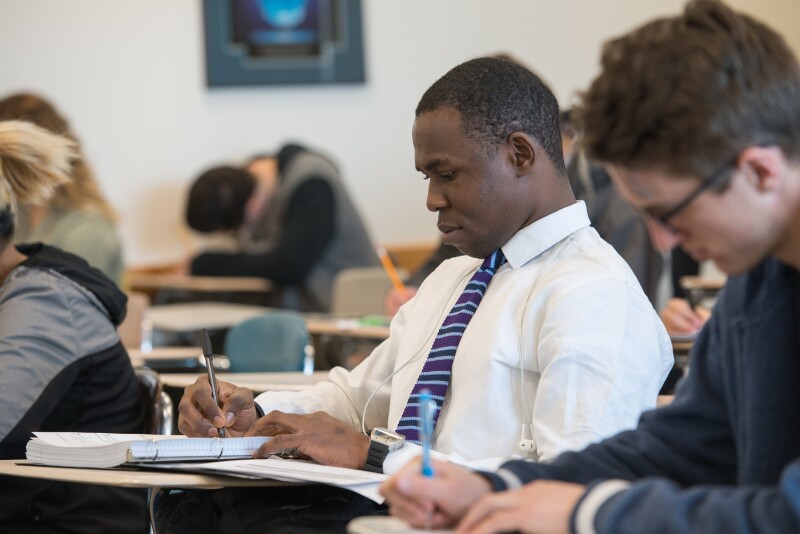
(130,75)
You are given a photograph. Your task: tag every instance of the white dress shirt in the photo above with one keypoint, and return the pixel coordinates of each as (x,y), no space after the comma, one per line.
(565,316)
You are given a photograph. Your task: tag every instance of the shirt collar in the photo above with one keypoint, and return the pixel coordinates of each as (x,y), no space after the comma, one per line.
(540,235)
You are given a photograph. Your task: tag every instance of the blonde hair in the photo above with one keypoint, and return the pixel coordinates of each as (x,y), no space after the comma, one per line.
(33,163)
(82,191)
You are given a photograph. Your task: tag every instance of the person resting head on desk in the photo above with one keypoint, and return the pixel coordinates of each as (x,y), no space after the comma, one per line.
(76,218)
(63,366)
(514,339)
(293,221)
(710,150)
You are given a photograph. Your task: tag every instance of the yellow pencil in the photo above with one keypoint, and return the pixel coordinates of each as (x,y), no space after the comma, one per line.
(388,266)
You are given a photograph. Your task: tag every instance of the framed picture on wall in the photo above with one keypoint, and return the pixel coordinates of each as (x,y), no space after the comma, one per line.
(258,42)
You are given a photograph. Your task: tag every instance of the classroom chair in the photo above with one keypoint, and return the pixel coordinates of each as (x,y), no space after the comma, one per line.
(130,330)
(275,341)
(360,291)
(158,405)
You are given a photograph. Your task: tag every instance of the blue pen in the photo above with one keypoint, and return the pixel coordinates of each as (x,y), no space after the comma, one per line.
(426,410)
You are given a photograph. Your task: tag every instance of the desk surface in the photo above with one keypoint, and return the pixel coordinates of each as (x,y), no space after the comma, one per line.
(188,317)
(127,478)
(193,316)
(702,282)
(139,358)
(331,326)
(257,382)
(212,284)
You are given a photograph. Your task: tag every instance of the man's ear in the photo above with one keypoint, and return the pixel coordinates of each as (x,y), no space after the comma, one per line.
(767,164)
(523,152)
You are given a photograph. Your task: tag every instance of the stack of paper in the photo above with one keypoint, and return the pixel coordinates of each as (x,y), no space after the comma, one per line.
(362,482)
(79,449)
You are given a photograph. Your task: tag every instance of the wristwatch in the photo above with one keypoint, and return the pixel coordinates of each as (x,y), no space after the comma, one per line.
(382,440)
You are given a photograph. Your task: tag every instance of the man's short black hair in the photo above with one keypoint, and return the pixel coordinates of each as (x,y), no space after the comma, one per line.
(495,98)
(217,199)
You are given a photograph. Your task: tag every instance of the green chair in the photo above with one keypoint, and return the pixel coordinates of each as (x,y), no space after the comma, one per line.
(275,341)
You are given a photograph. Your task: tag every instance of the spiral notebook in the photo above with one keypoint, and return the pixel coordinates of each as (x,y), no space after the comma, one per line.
(82,449)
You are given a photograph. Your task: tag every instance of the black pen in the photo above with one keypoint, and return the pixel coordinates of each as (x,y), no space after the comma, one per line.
(693,297)
(205,341)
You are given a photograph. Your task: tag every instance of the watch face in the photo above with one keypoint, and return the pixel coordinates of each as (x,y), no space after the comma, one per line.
(386,436)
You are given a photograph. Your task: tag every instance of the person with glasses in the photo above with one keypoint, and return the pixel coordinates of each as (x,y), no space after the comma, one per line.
(682,314)
(698,118)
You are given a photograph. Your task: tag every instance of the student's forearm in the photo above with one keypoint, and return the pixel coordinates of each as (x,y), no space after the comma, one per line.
(658,505)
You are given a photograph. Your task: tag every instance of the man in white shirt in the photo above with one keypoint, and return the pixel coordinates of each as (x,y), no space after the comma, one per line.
(564,348)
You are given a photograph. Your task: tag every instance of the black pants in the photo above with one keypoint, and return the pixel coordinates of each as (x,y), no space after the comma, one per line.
(33,506)
(289,509)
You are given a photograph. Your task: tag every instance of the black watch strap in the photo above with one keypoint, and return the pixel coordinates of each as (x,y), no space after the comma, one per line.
(259,410)
(375,457)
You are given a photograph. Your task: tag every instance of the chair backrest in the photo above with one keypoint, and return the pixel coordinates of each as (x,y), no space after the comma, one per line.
(360,291)
(158,404)
(275,341)
(130,330)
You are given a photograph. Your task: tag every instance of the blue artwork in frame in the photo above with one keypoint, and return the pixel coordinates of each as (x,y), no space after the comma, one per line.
(257,42)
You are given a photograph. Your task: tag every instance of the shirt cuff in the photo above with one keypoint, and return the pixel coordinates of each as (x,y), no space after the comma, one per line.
(591,501)
(502,479)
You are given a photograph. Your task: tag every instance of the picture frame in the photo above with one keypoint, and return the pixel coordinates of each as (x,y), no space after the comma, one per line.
(264,42)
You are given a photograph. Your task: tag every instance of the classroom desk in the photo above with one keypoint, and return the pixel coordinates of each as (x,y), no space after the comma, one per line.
(147,283)
(682,346)
(160,354)
(128,478)
(325,325)
(190,317)
(257,382)
(702,282)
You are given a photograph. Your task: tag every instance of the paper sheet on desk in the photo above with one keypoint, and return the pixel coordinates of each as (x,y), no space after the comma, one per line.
(84,439)
(362,482)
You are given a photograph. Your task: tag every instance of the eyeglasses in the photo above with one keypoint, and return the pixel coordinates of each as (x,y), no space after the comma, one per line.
(716,179)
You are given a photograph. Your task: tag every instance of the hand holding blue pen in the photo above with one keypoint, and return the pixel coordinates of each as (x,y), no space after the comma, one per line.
(426,411)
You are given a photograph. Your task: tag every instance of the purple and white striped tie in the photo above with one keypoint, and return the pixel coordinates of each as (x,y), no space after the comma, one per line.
(435,374)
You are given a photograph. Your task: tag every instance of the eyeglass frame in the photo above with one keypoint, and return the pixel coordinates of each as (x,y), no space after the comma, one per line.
(716,179)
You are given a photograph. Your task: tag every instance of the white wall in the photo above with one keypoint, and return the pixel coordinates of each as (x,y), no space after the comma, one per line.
(130,75)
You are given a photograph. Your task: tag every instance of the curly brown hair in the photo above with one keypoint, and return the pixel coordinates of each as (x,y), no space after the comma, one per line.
(687,94)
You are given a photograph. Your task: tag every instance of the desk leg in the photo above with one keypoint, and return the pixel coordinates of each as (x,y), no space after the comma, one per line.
(154,495)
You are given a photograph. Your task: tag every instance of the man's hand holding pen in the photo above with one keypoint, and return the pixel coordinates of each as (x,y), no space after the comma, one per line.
(200,416)
(318,436)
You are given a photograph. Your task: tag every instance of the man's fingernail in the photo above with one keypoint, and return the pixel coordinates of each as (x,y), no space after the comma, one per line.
(229,417)
(219,421)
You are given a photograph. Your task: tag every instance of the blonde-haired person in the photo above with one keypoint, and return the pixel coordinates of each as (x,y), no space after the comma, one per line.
(77,218)
(63,366)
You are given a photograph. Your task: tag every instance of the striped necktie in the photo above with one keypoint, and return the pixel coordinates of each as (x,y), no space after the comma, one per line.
(435,374)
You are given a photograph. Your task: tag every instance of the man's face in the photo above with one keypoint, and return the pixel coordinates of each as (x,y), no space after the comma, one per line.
(480,200)
(735,228)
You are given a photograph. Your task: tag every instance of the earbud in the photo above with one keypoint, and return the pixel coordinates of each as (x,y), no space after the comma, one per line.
(526,443)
